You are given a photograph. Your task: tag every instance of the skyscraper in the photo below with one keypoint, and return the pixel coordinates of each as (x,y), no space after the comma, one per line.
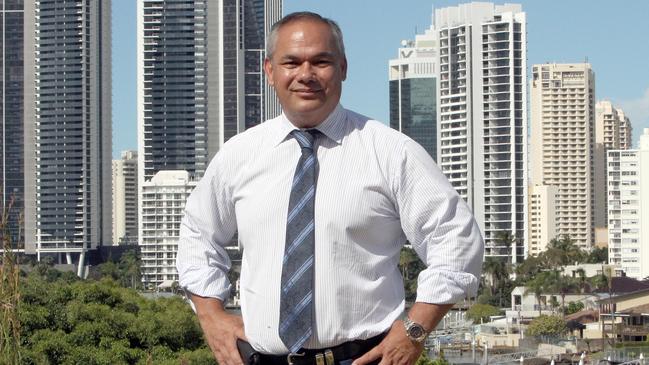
(200,79)
(12,169)
(200,82)
(67,126)
(413,90)
(482,131)
(628,209)
(125,210)
(562,143)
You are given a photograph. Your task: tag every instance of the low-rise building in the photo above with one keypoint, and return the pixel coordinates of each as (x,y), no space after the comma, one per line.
(626,317)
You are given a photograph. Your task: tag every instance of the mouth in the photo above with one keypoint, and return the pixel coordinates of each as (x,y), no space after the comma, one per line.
(306,91)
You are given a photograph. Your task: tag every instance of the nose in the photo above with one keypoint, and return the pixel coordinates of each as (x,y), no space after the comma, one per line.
(306,72)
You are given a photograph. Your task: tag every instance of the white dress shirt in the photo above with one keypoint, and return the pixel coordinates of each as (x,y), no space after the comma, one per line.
(375,188)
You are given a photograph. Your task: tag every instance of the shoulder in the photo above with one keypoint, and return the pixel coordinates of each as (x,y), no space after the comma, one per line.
(380,137)
(242,148)
(379,133)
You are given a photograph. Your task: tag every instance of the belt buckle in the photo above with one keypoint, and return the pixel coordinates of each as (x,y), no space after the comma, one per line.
(289,357)
(319,359)
(329,357)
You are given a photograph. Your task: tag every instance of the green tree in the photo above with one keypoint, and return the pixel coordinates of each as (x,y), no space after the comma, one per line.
(425,360)
(496,271)
(480,313)
(539,285)
(529,268)
(544,325)
(565,251)
(101,322)
(562,285)
(597,255)
(410,265)
(574,307)
(129,265)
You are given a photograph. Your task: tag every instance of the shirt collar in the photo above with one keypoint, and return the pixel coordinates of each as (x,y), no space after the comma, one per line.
(333,127)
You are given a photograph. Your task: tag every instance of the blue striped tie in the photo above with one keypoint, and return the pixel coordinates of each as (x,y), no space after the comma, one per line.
(296,303)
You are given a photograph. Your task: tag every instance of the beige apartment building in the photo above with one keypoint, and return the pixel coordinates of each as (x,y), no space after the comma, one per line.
(542,217)
(125,199)
(562,142)
(612,132)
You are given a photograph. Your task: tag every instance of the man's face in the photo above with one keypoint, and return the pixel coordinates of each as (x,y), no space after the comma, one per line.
(307,71)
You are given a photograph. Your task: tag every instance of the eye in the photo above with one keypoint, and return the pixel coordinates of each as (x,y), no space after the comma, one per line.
(290,64)
(322,63)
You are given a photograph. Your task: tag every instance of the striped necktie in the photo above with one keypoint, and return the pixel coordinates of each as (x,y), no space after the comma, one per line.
(296,299)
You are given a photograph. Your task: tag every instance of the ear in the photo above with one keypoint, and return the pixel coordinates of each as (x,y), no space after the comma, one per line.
(343,68)
(268,69)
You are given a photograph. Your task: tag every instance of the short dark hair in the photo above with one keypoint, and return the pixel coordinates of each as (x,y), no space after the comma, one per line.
(304,15)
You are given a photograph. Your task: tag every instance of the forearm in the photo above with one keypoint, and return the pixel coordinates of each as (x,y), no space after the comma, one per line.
(207,309)
(221,329)
(427,314)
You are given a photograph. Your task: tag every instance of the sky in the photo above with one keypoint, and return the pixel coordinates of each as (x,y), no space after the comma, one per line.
(611,36)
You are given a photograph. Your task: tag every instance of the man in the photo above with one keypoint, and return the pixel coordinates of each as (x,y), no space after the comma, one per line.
(323,199)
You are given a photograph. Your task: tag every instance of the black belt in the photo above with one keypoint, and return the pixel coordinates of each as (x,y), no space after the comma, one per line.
(344,351)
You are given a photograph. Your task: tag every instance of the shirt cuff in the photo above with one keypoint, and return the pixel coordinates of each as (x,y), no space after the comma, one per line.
(205,283)
(445,287)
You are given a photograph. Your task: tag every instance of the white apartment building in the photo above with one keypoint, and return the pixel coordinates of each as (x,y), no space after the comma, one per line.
(562,143)
(628,208)
(542,217)
(163,205)
(482,109)
(125,199)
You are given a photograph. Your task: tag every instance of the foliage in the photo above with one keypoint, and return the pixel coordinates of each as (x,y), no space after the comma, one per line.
(540,284)
(9,294)
(597,255)
(574,307)
(496,279)
(126,271)
(425,360)
(71,321)
(480,313)
(544,325)
(410,265)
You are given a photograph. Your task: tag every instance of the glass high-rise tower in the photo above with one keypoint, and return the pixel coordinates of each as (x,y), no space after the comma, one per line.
(200,82)
(12,171)
(413,90)
(67,126)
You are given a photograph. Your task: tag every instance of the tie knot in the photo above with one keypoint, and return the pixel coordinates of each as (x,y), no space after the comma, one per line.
(305,138)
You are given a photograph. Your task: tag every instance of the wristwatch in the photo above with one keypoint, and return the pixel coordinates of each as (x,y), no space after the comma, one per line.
(415,332)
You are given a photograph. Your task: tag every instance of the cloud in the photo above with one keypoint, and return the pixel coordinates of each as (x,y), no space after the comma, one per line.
(638,112)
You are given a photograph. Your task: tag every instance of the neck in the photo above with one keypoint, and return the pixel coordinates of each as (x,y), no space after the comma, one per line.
(307,121)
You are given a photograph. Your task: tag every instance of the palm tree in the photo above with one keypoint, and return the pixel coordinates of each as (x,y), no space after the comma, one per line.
(564,285)
(582,281)
(537,286)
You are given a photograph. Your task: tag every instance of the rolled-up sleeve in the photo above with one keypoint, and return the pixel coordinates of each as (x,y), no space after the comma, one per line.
(208,225)
(440,227)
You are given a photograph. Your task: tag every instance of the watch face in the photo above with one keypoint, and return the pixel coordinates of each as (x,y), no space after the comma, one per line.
(416,331)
